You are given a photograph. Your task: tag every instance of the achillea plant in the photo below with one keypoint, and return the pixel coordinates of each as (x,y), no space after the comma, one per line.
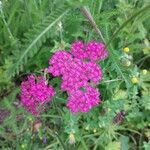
(83,101)
(91,51)
(78,69)
(35,93)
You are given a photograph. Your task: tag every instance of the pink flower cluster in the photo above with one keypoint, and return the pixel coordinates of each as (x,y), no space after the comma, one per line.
(35,93)
(83,101)
(79,69)
(92,51)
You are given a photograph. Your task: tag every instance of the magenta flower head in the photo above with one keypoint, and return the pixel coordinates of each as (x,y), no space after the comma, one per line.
(35,92)
(80,74)
(92,51)
(59,63)
(79,69)
(83,100)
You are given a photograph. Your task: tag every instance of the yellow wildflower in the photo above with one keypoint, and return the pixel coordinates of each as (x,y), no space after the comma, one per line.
(126,49)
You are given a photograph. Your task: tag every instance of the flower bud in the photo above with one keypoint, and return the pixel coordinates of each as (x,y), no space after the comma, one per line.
(37,125)
(126,49)
(134,80)
(128,63)
(71,138)
(94,130)
(44,139)
(144,72)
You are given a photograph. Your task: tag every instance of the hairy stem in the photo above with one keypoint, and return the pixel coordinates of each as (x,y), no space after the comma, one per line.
(87,14)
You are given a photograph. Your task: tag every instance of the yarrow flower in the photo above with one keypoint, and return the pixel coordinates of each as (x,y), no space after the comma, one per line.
(78,69)
(83,100)
(59,63)
(92,51)
(35,93)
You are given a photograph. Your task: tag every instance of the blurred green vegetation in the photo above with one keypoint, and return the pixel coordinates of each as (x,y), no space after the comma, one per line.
(32,30)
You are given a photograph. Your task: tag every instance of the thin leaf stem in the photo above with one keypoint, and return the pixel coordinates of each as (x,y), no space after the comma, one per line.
(5,23)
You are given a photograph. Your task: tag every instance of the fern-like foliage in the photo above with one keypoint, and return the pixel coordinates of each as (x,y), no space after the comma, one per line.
(35,38)
(143,12)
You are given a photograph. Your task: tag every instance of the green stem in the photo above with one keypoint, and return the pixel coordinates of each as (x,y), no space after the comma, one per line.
(59,139)
(5,23)
(50,146)
(55,134)
(131,130)
(89,17)
(108,81)
(50,116)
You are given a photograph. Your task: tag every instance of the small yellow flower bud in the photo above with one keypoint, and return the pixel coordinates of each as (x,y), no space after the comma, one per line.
(144,72)
(134,80)
(71,138)
(126,50)
(94,130)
